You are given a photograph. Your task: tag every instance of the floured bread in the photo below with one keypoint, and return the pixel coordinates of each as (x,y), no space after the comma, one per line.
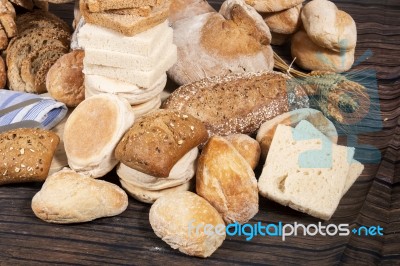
(226,180)
(234,40)
(92,36)
(171,217)
(93,130)
(267,130)
(180,173)
(273,5)
(313,176)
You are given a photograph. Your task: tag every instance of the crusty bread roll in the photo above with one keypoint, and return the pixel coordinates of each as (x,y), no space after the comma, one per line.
(175,217)
(226,180)
(64,80)
(26,154)
(164,137)
(267,130)
(234,40)
(273,5)
(239,102)
(181,9)
(92,132)
(284,22)
(247,147)
(69,197)
(313,57)
(329,27)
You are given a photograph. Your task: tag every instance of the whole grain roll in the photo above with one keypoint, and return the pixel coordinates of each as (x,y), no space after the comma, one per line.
(175,217)
(313,57)
(65,79)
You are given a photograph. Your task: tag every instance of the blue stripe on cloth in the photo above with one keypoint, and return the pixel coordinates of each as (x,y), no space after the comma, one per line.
(51,116)
(37,109)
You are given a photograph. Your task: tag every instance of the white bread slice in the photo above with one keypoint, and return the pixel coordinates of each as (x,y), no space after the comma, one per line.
(95,84)
(141,78)
(294,180)
(129,60)
(356,167)
(95,37)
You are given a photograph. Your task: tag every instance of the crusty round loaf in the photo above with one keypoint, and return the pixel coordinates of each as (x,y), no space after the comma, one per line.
(26,155)
(164,137)
(234,40)
(329,27)
(226,180)
(273,5)
(69,197)
(313,57)
(175,217)
(181,9)
(316,118)
(284,22)
(247,147)
(238,102)
(64,80)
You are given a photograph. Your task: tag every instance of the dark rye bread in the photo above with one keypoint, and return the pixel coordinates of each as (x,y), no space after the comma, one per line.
(26,155)
(157,140)
(238,103)
(35,66)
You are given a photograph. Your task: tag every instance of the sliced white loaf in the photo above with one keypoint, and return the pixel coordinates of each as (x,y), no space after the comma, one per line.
(305,173)
(141,78)
(129,60)
(96,37)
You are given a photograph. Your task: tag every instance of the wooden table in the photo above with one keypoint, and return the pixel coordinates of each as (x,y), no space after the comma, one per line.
(373,200)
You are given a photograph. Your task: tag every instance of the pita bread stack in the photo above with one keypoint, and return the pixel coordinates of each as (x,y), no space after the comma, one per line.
(128,49)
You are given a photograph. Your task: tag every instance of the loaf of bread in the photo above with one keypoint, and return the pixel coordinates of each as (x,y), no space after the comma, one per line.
(175,217)
(284,22)
(234,40)
(101,5)
(226,180)
(267,130)
(313,57)
(181,9)
(164,137)
(329,27)
(273,5)
(314,174)
(128,25)
(92,132)
(247,147)
(64,79)
(237,103)
(26,155)
(69,197)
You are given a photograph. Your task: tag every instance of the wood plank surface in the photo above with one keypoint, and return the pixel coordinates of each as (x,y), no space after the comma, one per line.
(373,200)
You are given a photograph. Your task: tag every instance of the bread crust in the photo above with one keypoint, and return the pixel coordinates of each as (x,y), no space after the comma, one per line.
(26,155)
(284,22)
(273,5)
(247,147)
(163,136)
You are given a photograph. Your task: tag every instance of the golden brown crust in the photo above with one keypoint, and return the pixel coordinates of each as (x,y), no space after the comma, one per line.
(284,22)
(3,74)
(163,136)
(237,103)
(273,5)
(226,180)
(26,155)
(247,147)
(65,79)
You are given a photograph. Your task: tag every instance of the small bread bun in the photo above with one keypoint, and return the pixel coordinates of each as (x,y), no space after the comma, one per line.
(313,57)
(179,219)
(284,22)
(247,147)
(226,180)
(329,27)
(64,80)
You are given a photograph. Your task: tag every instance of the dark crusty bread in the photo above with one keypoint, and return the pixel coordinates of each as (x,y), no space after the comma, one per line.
(26,154)
(237,103)
(128,25)
(163,136)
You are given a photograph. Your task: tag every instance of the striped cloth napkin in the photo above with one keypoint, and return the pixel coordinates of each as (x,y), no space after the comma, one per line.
(47,111)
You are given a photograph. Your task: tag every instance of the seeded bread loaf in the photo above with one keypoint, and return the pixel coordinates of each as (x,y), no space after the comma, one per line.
(164,137)
(237,103)
(26,154)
